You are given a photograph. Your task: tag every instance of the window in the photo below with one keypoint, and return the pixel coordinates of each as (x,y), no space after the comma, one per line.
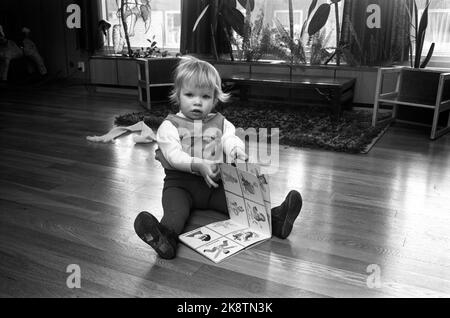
(273,10)
(438,31)
(164,22)
(283,17)
(172,28)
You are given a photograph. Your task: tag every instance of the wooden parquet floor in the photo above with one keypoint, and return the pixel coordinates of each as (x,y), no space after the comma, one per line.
(65,201)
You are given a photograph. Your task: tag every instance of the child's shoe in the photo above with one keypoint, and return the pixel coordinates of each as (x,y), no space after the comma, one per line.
(283,216)
(160,238)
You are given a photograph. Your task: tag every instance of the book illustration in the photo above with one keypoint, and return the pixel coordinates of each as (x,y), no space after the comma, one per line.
(254,215)
(236,208)
(251,188)
(264,185)
(257,217)
(220,249)
(248,237)
(263,180)
(255,170)
(245,236)
(199,237)
(230,179)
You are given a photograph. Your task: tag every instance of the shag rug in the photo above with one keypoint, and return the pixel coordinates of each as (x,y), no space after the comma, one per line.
(301,126)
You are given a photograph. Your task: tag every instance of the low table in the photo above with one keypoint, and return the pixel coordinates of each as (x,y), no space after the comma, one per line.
(333,91)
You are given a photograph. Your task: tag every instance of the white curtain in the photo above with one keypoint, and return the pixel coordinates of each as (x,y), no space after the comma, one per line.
(438,30)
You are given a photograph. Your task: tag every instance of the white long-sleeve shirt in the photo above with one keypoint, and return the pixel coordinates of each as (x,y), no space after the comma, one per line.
(169,143)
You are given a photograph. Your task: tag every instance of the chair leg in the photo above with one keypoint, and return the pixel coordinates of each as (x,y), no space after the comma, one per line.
(394,111)
(378,90)
(435,123)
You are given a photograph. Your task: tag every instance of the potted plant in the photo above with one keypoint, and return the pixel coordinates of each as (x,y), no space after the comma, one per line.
(129,12)
(418,84)
(427,90)
(318,21)
(224,17)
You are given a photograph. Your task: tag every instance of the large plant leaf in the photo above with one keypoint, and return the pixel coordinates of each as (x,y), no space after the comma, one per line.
(235,19)
(291,19)
(428,57)
(423,24)
(319,19)
(312,6)
(202,14)
(405,4)
(216,8)
(229,3)
(244,4)
(416,19)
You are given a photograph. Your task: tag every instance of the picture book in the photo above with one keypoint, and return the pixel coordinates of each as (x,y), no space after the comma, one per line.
(248,200)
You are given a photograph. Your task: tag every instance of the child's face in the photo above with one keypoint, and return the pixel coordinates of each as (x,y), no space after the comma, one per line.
(196,102)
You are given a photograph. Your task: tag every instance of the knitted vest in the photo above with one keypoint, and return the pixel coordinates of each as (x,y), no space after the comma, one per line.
(199,138)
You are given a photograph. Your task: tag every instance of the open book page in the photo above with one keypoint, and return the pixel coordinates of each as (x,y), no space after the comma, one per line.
(264,183)
(249,222)
(213,240)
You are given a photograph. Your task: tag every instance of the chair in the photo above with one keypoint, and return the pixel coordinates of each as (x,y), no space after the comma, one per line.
(153,72)
(416,88)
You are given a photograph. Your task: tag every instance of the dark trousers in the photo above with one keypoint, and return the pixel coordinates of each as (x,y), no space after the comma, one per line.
(184,192)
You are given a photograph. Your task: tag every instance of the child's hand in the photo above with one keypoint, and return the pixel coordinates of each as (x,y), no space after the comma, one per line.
(216,171)
(238,153)
(208,171)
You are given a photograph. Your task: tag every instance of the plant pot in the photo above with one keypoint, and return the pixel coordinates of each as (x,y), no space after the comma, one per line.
(420,86)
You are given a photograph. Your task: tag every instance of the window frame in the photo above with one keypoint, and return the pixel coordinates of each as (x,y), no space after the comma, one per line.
(103,14)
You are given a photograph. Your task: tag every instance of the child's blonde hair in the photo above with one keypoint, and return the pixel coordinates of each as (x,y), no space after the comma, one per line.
(198,73)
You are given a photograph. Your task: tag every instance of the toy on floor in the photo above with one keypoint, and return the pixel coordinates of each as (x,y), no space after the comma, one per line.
(147,135)
(9,51)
